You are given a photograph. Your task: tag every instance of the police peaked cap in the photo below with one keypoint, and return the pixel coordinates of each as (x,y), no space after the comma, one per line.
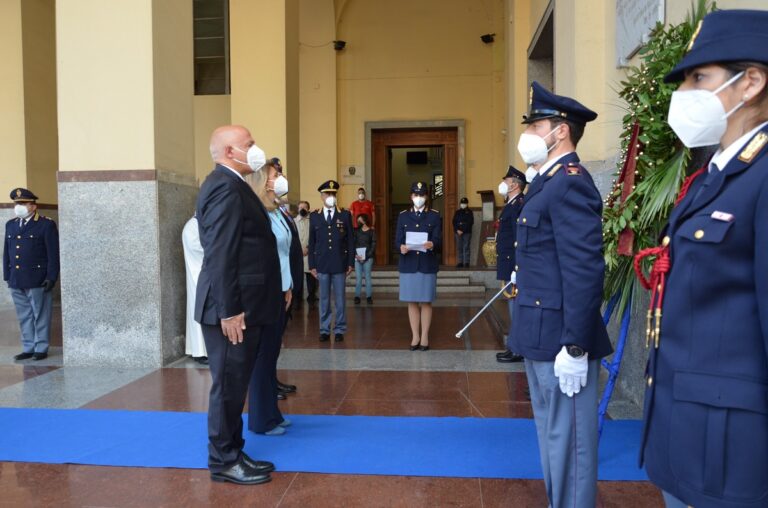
(21,195)
(329,186)
(725,36)
(544,104)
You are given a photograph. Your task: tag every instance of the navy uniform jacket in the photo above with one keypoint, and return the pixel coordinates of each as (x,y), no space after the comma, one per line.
(506,237)
(331,246)
(241,269)
(706,401)
(560,265)
(31,253)
(463,220)
(429,222)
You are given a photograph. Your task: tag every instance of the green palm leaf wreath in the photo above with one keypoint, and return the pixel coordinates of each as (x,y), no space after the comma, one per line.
(661,158)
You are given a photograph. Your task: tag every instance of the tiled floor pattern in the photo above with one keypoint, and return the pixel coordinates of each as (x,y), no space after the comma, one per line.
(371,373)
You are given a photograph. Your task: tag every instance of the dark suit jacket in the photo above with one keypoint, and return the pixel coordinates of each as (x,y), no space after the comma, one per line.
(296,257)
(241,269)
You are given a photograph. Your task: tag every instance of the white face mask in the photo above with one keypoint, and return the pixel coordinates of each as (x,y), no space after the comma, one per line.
(21,211)
(255,157)
(533,149)
(698,117)
(530,174)
(419,201)
(463,206)
(330,201)
(361,197)
(281,186)
(503,188)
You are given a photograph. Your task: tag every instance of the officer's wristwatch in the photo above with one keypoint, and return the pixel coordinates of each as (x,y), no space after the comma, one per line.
(574,351)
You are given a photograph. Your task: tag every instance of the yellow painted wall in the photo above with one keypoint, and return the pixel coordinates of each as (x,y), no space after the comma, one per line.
(13,164)
(520,28)
(173,76)
(211,111)
(258,72)
(317,96)
(105,85)
(424,60)
(42,150)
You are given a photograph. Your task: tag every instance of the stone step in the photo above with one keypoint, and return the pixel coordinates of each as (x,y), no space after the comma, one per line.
(380,282)
(387,274)
(441,290)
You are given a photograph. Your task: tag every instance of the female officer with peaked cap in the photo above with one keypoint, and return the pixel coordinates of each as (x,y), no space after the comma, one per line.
(705,433)
(418,266)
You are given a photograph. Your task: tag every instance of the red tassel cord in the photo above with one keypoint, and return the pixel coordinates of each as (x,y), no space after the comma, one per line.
(656,281)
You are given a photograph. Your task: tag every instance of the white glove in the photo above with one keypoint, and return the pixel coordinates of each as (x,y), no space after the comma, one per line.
(513,278)
(572,372)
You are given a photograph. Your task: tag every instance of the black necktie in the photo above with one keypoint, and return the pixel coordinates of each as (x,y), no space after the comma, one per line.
(329,216)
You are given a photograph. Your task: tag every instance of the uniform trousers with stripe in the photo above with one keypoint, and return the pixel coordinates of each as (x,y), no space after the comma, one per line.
(567,434)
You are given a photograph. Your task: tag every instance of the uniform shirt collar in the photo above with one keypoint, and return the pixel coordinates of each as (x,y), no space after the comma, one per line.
(332,210)
(241,177)
(419,210)
(723,157)
(545,167)
(509,200)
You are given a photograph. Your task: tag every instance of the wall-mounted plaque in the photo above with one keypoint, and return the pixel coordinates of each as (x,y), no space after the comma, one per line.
(634,21)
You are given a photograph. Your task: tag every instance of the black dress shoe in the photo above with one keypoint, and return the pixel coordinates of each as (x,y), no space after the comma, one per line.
(39,356)
(324,337)
(510,358)
(414,348)
(260,466)
(370,300)
(423,348)
(506,352)
(357,300)
(281,396)
(339,337)
(202,360)
(285,387)
(23,356)
(241,474)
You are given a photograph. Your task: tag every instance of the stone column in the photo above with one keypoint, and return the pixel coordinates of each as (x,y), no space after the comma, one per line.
(126,181)
(264,63)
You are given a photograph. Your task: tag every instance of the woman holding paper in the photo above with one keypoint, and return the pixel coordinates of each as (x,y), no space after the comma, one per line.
(365,247)
(419,234)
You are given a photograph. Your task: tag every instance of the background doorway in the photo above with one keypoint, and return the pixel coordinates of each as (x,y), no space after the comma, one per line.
(402,156)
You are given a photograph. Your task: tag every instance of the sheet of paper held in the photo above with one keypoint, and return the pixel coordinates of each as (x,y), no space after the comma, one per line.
(415,240)
(360,251)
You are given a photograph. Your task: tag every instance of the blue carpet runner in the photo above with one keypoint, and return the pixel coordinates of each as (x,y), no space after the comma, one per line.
(374,445)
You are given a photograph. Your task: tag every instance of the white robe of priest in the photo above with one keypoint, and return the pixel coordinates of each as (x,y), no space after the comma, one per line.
(193,262)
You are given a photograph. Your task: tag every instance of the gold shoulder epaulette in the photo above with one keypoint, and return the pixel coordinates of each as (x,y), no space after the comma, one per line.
(753,147)
(404,210)
(554,170)
(434,210)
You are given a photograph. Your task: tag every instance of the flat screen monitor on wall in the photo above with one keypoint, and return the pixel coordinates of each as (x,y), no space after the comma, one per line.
(416,157)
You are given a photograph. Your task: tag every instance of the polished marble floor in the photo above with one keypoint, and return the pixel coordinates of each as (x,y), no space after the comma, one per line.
(370,373)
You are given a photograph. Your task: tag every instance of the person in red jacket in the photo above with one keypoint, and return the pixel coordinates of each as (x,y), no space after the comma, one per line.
(362,206)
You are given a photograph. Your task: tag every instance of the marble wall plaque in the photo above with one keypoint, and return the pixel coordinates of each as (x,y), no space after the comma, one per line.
(634,21)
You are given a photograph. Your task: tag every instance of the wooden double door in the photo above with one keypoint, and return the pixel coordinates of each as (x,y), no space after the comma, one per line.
(383,141)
